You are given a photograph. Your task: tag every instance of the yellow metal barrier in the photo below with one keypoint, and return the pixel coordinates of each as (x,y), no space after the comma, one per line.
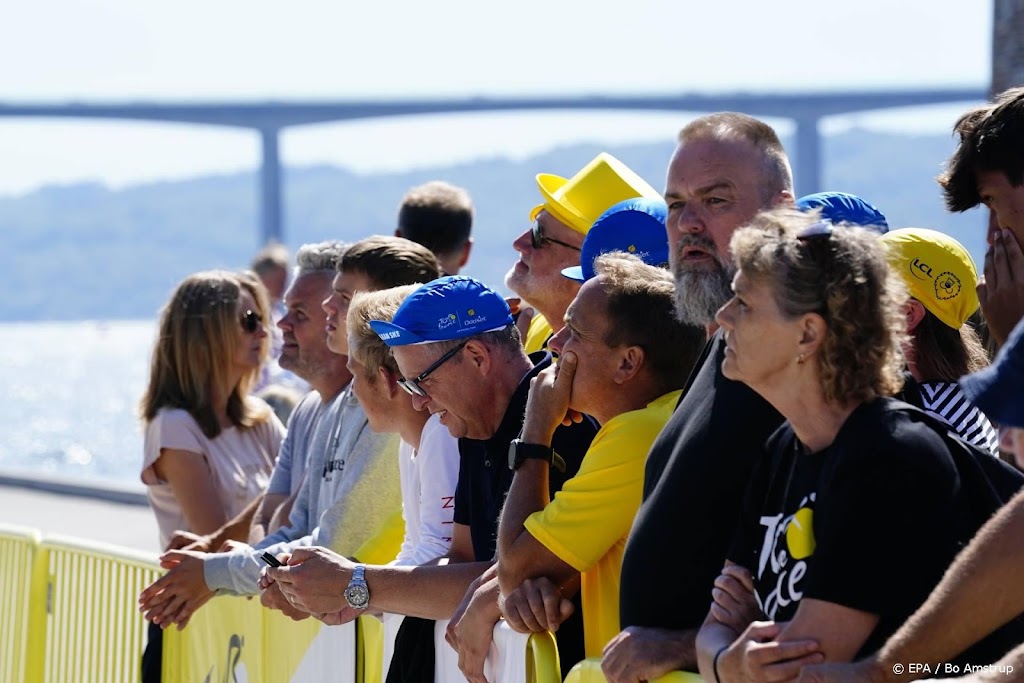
(69,614)
(589,671)
(542,665)
(18,549)
(370,652)
(92,629)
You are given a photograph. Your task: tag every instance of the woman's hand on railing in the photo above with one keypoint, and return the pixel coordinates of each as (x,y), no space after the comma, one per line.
(756,656)
(175,596)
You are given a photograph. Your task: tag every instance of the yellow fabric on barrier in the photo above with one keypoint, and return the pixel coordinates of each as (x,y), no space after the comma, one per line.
(223,638)
(19,547)
(589,671)
(542,664)
(285,643)
(370,650)
(385,545)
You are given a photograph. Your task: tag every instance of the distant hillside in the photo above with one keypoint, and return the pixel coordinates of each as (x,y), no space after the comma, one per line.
(87,252)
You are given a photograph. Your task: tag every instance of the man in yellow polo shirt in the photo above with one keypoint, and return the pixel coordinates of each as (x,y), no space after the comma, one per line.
(623,359)
(553,242)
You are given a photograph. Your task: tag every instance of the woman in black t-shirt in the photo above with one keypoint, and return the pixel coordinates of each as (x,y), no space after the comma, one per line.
(856,509)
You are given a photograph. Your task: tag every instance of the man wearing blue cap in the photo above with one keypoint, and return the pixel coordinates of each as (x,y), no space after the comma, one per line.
(461,358)
(981,591)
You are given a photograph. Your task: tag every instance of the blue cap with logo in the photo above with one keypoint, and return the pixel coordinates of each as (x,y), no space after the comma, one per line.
(635,226)
(447,308)
(996,390)
(842,207)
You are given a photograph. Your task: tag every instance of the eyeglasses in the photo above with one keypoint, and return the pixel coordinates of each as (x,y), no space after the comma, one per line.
(251,321)
(538,238)
(412,386)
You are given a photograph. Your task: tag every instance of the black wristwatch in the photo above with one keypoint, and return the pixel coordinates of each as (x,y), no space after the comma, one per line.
(519,452)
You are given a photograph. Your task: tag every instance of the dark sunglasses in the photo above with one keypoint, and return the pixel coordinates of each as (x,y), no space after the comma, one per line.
(412,386)
(538,238)
(251,321)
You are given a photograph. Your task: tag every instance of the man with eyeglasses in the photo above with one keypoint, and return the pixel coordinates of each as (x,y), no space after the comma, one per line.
(554,240)
(461,358)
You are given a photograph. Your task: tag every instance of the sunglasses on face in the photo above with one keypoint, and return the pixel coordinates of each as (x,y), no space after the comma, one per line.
(412,386)
(251,321)
(537,238)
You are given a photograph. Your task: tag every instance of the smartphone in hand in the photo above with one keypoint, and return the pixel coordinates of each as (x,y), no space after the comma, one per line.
(270,559)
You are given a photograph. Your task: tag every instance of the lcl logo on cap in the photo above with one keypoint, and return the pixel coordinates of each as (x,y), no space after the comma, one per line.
(917,265)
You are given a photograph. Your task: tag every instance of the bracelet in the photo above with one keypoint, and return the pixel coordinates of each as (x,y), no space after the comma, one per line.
(714,663)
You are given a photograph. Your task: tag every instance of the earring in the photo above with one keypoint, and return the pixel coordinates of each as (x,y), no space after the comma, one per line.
(800,359)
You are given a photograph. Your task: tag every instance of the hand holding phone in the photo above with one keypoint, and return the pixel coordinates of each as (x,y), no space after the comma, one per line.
(270,559)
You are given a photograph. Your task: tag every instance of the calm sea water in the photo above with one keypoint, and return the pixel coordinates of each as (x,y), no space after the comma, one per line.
(68,397)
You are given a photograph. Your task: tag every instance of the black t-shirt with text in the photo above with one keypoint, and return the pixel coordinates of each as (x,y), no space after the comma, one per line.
(871,522)
(695,478)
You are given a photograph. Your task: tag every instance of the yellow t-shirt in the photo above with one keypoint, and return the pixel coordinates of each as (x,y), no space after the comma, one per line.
(587,522)
(537,334)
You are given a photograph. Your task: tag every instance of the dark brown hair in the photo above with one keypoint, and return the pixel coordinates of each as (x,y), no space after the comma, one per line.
(991,139)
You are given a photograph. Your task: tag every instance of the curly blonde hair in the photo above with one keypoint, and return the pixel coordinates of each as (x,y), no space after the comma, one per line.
(841,273)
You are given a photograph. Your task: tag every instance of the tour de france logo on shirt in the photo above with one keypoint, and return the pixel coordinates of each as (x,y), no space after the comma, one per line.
(788,542)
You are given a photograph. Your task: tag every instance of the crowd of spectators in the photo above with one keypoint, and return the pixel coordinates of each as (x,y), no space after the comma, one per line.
(716,429)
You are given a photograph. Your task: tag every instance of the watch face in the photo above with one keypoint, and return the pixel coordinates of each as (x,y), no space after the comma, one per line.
(358,596)
(512,454)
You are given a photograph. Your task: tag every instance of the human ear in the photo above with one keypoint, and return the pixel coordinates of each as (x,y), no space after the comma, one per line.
(630,362)
(914,311)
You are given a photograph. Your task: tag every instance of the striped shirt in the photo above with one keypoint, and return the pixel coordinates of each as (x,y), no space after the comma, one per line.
(946,401)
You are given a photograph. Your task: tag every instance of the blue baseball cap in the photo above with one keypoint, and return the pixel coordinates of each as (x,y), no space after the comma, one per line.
(635,226)
(996,390)
(447,308)
(842,207)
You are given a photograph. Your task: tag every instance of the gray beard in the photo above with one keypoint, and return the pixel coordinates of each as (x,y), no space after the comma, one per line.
(699,294)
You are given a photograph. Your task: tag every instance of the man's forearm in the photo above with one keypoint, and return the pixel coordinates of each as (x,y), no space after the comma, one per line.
(429,592)
(981,591)
(528,494)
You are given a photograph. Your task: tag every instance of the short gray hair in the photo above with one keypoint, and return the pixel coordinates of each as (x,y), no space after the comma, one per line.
(319,257)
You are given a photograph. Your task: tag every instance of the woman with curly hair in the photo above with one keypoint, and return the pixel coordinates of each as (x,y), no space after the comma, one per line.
(209,446)
(856,508)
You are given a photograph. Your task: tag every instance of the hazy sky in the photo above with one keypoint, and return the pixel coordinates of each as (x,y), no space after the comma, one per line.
(103,50)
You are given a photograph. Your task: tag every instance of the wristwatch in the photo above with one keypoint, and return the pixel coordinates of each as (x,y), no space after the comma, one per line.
(519,452)
(358,593)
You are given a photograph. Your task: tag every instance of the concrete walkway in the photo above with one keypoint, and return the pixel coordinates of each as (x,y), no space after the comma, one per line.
(89,518)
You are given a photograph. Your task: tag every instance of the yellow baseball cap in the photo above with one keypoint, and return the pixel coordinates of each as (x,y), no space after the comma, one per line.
(579,201)
(937,270)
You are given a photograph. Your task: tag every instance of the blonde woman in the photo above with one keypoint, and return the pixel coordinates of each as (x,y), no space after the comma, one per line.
(209,447)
